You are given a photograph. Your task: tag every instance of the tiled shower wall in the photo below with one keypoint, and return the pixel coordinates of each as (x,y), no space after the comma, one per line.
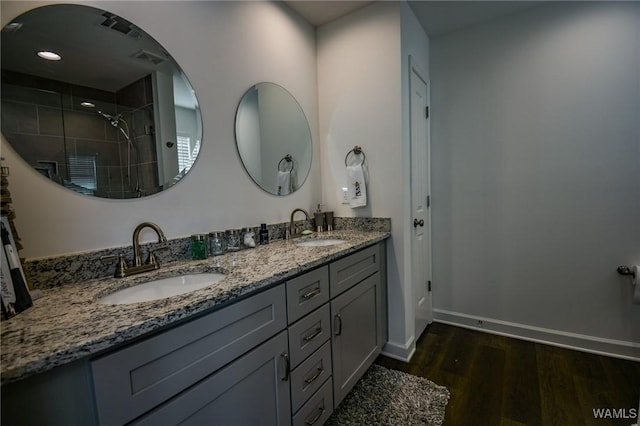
(137,100)
(45,124)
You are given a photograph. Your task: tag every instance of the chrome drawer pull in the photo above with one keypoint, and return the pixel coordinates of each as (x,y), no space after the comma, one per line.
(311,294)
(338,328)
(313,335)
(315,419)
(287,366)
(315,376)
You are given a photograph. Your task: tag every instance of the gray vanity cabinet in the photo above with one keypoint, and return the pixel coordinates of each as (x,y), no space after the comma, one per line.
(351,319)
(138,378)
(359,317)
(287,355)
(253,390)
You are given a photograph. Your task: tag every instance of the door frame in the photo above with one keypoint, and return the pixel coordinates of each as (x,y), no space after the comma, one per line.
(422,321)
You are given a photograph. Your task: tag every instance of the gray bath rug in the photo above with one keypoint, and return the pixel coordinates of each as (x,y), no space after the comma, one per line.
(391,397)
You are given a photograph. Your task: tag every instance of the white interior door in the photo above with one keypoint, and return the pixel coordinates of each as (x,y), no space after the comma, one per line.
(420,186)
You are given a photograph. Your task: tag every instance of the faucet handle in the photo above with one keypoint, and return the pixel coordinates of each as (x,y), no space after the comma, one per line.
(151,259)
(120,266)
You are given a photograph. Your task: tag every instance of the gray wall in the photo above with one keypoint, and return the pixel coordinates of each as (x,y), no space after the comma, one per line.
(536,171)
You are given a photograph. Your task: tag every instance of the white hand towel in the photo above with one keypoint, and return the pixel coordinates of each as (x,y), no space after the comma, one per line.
(284,183)
(357,189)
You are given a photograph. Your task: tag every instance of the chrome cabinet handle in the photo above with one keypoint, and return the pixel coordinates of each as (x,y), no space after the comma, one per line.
(315,376)
(417,222)
(315,419)
(311,294)
(312,335)
(287,366)
(338,328)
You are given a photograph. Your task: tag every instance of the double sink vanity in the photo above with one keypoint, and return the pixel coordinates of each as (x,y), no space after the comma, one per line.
(277,335)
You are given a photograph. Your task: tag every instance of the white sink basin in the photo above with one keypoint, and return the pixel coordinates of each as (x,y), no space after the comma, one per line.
(162,288)
(320,243)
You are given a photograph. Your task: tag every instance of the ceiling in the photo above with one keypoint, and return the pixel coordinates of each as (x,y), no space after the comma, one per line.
(436,17)
(113,67)
(318,12)
(101,50)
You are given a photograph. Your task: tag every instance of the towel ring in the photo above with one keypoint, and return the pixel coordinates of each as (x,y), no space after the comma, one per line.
(287,159)
(356,151)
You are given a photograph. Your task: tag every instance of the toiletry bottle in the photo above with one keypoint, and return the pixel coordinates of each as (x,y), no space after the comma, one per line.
(319,219)
(217,242)
(233,239)
(264,234)
(199,246)
(247,238)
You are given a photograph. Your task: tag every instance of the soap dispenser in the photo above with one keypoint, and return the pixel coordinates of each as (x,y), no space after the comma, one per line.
(328,221)
(319,219)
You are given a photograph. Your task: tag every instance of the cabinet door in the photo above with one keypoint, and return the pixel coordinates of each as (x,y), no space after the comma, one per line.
(253,390)
(357,333)
(141,376)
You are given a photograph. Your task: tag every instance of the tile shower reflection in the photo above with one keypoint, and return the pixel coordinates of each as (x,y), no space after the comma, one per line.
(77,147)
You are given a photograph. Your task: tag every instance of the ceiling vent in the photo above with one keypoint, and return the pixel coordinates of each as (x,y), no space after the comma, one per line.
(120,25)
(147,56)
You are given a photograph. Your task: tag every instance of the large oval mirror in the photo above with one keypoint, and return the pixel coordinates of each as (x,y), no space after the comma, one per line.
(273,138)
(95,104)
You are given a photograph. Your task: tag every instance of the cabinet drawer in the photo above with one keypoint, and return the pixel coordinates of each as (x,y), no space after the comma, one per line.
(249,391)
(308,334)
(135,379)
(309,376)
(318,409)
(307,292)
(346,272)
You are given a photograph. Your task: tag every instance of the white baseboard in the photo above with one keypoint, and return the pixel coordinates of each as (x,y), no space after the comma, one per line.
(580,342)
(399,351)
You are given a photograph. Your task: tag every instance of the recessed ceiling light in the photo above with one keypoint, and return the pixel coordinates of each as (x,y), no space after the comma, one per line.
(87,104)
(13,26)
(49,56)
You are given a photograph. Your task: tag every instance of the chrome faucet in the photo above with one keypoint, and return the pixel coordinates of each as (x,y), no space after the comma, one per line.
(291,229)
(123,270)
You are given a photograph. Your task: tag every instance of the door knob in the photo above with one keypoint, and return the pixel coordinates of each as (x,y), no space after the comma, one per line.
(417,222)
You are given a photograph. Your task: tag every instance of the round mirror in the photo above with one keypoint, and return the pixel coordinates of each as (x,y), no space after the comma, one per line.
(273,139)
(95,104)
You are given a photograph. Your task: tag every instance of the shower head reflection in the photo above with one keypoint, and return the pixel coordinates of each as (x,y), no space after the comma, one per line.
(114,120)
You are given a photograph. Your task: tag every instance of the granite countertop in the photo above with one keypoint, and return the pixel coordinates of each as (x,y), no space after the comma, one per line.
(68,324)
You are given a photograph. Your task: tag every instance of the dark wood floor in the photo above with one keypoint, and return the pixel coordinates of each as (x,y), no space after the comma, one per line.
(496,380)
